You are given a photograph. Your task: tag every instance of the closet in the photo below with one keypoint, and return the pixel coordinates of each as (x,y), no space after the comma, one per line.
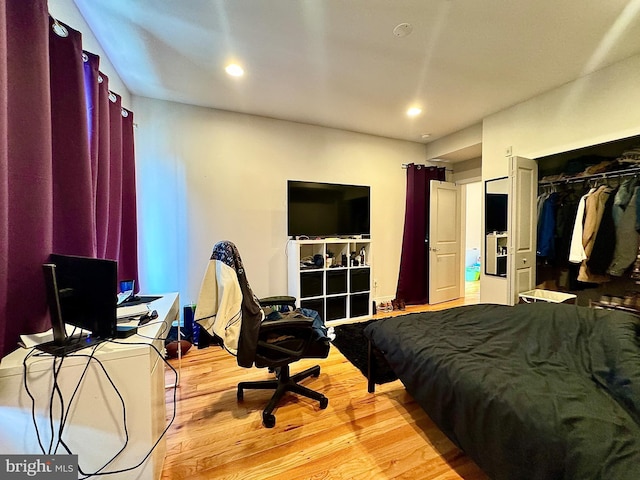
(589,223)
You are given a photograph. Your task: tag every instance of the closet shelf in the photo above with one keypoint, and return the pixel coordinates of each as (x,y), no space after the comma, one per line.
(583,178)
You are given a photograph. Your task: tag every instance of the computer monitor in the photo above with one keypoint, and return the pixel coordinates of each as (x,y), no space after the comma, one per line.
(82,292)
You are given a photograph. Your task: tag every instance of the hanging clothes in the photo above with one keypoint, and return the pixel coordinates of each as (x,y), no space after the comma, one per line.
(605,240)
(565,220)
(626,248)
(594,210)
(576,250)
(547,227)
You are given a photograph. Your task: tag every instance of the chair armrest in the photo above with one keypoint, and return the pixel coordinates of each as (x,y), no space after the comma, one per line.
(280,300)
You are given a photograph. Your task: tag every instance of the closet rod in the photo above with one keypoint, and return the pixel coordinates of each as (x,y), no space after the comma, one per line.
(595,176)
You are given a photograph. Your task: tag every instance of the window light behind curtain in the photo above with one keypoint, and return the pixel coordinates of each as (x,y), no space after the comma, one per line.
(67,170)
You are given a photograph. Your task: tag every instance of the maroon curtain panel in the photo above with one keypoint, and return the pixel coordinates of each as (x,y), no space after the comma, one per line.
(128,259)
(101,132)
(115,177)
(26,170)
(4,175)
(66,164)
(91,64)
(74,231)
(413,279)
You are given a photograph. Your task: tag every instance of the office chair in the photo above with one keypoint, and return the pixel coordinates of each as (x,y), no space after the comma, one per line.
(267,333)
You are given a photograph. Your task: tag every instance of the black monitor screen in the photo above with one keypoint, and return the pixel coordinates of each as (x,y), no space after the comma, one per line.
(327,209)
(87,289)
(496,212)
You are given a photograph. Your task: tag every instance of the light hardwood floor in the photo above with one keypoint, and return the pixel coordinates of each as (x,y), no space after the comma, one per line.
(385,435)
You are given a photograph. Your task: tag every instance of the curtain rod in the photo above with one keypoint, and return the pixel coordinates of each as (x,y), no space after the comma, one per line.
(406,165)
(595,176)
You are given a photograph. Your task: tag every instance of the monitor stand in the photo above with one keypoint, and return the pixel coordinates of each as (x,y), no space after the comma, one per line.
(69,345)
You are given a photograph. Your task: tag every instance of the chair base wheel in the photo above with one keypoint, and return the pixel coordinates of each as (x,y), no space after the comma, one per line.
(269,421)
(283,384)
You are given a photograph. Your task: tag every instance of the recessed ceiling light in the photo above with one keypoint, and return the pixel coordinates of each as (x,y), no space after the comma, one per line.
(234,70)
(414,111)
(425,135)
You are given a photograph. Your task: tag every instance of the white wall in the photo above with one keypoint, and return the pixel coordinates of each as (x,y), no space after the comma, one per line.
(206,175)
(596,108)
(467,172)
(473,197)
(460,140)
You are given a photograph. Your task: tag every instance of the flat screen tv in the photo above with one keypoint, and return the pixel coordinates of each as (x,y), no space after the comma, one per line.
(496,212)
(327,209)
(81,292)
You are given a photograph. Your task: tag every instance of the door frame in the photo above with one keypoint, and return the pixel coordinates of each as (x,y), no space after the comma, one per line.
(463,228)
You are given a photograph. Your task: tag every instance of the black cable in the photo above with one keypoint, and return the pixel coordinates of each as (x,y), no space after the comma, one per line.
(148,454)
(33,400)
(124,418)
(173,417)
(65,414)
(56,388)
(159,336)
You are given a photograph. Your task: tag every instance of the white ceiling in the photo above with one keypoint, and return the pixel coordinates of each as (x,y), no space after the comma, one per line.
(337,63)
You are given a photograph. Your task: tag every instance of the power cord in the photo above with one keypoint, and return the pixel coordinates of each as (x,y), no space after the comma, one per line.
(64,414)
(124,418)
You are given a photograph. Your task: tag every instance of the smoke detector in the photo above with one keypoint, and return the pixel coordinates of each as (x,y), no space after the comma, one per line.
(403,29)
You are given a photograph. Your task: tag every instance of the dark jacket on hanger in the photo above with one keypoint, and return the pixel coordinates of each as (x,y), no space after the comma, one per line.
(605,242)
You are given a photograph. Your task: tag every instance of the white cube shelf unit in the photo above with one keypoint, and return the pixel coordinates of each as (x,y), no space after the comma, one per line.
(339,286)
(497,253)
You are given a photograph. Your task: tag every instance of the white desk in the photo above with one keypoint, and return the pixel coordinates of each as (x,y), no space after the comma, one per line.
(94,429)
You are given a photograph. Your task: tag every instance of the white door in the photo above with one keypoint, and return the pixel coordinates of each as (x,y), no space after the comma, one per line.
(445,274)
(523,188)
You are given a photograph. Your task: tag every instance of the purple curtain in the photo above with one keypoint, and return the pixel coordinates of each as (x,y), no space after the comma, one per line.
(413,280)
(128,259)
(56,189)
(27,186)
(115,177)
(74,229)
(4,175)
(91,65)
(101,131)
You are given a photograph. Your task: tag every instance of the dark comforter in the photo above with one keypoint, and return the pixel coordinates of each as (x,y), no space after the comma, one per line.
(533,391)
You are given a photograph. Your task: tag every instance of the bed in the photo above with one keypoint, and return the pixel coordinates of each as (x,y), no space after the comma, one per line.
(531,391)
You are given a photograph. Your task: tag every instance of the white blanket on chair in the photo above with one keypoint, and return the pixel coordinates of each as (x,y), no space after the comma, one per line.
(219,307)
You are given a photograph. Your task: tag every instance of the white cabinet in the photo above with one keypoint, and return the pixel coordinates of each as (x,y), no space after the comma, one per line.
(496,254)
(331,276)
(123,377)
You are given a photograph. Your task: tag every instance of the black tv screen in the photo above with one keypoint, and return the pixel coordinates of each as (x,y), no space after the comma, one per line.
(496,212)
(327,209)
